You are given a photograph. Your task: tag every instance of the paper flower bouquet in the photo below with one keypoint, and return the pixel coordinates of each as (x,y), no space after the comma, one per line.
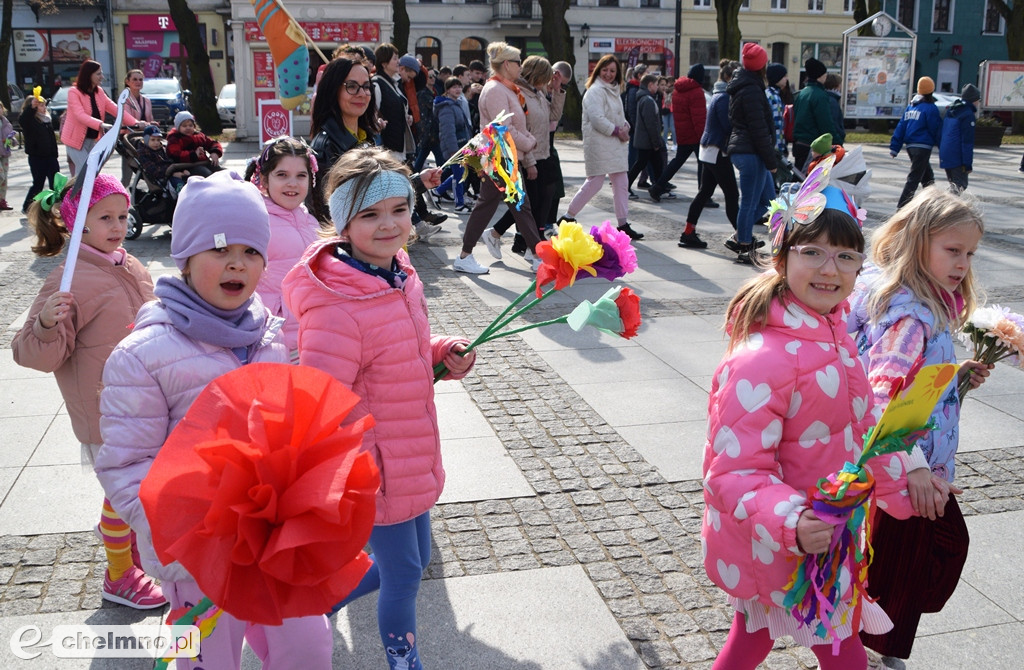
(996,334)
(492,153)
(573,253)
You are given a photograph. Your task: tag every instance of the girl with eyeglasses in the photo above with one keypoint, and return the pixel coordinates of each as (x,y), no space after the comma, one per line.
(918,291)
(789,403)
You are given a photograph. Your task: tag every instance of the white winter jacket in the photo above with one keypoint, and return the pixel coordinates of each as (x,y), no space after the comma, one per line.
(603,153)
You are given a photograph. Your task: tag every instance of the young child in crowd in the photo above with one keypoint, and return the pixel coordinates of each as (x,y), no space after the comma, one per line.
(905,308)
(154,160)
(186,144)
(363,318)
(788,406)
(6,142)
(40,146)
(285,173)
(71,334)
(203,324)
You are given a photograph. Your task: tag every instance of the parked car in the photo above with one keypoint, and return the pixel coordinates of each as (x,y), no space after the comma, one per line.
(58,105)
(168,98)
(226,104)
(17,97)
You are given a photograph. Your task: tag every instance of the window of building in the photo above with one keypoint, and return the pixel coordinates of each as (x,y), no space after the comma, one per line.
(829,53)
(906,13)
(942,16)
(428,50)
(650,3)
(704,52)
(472,48)
(848,6)
(607,3)
(994,24)
(815,5)
(702,4)
(780,5)
(745,4)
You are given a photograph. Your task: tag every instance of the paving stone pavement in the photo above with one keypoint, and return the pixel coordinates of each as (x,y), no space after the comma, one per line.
(597,503)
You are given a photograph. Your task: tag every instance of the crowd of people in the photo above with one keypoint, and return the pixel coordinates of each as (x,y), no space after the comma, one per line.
(303,261)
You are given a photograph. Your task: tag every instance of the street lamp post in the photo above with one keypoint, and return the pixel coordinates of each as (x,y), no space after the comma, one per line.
(679,38)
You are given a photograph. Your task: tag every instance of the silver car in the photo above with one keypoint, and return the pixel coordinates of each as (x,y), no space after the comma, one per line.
(226,105)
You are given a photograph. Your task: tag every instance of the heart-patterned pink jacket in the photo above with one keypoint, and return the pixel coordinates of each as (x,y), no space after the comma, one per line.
(788,406)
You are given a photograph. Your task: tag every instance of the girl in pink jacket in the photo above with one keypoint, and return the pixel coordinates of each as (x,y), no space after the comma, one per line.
(789,404)
(71,334)
(285,173)
(363,318)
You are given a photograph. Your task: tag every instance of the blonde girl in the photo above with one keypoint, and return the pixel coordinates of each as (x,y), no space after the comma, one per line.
(907,304)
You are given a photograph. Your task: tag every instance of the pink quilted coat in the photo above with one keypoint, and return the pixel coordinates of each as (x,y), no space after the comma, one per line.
(149,382)
(376,340)
(291,232)
(788,406)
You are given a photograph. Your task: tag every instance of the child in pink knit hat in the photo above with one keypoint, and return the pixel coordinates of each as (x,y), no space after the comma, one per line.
(72,334)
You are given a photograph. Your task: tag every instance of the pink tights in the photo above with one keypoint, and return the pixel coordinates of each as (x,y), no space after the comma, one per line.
(744,651)
(593,184)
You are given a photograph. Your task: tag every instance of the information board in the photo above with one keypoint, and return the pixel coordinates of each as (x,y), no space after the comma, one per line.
(878,76)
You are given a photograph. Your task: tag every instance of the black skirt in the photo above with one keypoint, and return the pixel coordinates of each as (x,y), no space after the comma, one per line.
(916,567)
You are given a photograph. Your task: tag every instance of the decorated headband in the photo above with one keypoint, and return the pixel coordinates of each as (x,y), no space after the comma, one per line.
(257,180)
(810,200)
(386,184)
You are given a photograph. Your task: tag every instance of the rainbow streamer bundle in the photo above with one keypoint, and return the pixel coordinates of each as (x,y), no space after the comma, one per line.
(844,499)
(492,153)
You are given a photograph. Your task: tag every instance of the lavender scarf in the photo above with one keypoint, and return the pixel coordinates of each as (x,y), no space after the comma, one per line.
(238,328)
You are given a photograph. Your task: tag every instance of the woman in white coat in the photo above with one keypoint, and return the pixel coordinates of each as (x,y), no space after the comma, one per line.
(605,142)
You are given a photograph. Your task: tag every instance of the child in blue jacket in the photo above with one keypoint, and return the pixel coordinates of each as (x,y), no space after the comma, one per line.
(920,130)
(956,153)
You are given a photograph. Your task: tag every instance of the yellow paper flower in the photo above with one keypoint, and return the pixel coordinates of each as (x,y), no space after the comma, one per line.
(577,247)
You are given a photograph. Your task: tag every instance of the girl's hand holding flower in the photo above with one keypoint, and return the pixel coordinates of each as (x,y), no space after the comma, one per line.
(431,178)
(456,363)
(976,371)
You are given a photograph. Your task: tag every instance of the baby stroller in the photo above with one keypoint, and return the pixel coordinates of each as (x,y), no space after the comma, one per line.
(151,202)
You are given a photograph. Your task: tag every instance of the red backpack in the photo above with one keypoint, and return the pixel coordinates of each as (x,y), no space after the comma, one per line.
(788,121)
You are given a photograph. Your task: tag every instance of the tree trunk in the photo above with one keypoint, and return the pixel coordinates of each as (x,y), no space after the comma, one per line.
(6,33)
(862,9)
(196,73)
(729,34)
(401,37)
(558,43)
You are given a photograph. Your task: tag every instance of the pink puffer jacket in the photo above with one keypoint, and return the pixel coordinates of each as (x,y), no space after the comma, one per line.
(291,232)
(80,119)
(375,339)
(787,407)
(149,382)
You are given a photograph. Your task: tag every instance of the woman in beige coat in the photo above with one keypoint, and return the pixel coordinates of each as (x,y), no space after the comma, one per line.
(605,142)
(499,94)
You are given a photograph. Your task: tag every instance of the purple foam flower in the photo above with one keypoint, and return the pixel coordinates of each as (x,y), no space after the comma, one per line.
(619,257)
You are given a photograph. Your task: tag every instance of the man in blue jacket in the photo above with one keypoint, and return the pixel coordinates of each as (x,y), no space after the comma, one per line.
(920,130)
(956,152)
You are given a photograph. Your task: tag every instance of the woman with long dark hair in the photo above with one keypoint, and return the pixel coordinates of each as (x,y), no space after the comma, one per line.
(87,105)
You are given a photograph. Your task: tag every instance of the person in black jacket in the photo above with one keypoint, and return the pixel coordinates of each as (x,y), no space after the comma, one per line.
(751,146)
(647,139)
(40,145)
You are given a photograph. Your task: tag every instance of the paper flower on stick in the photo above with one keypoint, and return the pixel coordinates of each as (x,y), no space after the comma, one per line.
(996,334)
(37,93)
(492,153)
(821,582)
(263,495)
(603,252)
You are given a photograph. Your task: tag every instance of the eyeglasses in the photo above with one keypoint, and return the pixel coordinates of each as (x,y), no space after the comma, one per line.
(517,62)
(353,88)
(813,256)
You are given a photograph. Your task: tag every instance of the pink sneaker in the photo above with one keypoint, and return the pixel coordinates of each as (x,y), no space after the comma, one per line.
(135,589)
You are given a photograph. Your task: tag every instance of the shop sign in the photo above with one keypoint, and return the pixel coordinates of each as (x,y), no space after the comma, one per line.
(151,23)
(325,31)
(263,69)
(645,44)
(275,120)
(145,41)
(602,45)
(70,45)
(30,46)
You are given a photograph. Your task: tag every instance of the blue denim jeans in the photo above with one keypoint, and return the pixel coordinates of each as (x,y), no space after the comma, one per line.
(401,552)
(757,189)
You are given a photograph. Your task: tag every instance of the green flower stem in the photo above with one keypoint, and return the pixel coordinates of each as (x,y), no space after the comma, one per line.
(491,332)
(988,350)
(551,322)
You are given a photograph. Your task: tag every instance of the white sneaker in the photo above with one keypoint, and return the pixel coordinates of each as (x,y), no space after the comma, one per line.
(425,230)
(469,266)
(493,243)
(533,259)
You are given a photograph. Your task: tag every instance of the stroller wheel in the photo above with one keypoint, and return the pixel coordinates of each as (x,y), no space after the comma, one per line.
(134,224)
